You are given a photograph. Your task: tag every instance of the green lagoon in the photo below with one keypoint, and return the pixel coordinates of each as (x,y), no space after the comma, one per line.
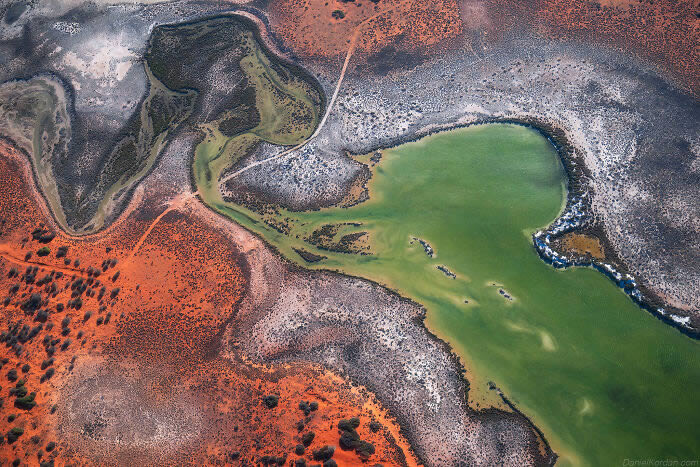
(604,380)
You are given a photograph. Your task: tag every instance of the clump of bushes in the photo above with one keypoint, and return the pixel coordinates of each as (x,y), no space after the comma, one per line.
(43,235)
(43,251)
(273,460)
(307,438)
(14,434)
(33,302)
(271,401)
(350,439)
(308,407)
(364,449)
(19,390)
(49,373)
(26,402)
(349,425)
(324,453)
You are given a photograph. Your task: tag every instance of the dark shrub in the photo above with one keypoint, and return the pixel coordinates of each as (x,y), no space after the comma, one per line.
(374,426)
(43,251)
(325,453)
(33,302)
(12,375)
(271,401)
(349,440)
(364,449)
(299,450)
(50,446)
(27,402)
(349,425)
(42,235)
(41,316)
(307,438)
(14,434)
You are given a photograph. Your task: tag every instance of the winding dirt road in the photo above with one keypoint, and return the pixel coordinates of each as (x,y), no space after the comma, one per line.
(353,43)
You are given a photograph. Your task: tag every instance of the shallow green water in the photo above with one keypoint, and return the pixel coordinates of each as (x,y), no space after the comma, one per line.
(603,379)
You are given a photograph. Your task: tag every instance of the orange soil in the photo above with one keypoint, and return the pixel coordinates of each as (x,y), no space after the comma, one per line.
(664,31)
(309,28)
(180,282)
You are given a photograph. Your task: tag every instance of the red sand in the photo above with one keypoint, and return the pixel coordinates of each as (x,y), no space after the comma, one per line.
(176,295)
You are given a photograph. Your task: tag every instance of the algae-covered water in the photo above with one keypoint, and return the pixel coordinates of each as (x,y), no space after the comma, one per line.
(603,379)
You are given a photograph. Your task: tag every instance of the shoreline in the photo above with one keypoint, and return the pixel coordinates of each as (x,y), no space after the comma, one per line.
(577,206)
